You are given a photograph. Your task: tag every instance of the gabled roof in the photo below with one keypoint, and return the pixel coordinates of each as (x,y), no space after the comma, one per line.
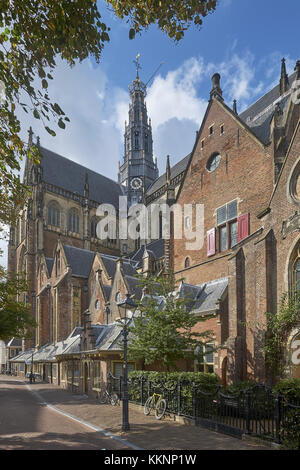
(110,263)
(64,173)
(80,260)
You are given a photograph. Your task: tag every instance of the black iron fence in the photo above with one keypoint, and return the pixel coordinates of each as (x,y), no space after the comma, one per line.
(258,411)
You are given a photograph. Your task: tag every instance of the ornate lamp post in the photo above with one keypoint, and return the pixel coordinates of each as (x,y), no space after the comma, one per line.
(124,306)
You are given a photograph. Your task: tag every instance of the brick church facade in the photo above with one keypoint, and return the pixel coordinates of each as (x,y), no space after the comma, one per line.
(244,169)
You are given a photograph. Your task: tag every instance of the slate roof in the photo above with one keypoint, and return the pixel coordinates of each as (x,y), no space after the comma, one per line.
(14,343)
(175,171)
(156,248)
(259,115)
(205,296)
(80,260)
(49,262)
(64,173)
(110,263)
(107,291)
(111,337)
(25,356)
(134,287)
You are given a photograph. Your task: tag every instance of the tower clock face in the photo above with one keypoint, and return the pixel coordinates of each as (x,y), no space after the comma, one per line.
(136,183)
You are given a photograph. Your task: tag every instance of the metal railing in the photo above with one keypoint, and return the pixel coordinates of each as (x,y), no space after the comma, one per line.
(258,411)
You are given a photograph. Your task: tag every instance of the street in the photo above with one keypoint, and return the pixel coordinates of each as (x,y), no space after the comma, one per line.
(26,423)
(43,416)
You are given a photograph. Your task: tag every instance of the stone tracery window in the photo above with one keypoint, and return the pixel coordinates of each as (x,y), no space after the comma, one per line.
(73,220)
(94,222)
(295,274)
(54,214)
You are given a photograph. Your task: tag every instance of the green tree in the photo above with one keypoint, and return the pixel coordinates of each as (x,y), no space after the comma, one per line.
(279,326)
(163,329)
(33,34)
(15,318)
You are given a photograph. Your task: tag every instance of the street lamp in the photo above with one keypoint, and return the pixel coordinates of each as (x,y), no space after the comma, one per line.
(124,306)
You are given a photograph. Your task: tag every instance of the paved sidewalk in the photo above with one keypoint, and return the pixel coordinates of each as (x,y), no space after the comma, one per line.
(145,431)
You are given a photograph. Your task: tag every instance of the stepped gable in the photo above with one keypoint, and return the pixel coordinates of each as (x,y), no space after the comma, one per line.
(64,173)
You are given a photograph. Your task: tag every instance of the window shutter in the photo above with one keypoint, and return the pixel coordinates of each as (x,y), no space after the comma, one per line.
(243,227)
(211,242)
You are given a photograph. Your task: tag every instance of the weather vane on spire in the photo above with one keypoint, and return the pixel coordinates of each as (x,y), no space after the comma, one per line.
(137,64)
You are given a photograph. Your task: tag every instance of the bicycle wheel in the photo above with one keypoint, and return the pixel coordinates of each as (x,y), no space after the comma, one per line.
(148,405)
(114,399)
(160,408)
(103,397)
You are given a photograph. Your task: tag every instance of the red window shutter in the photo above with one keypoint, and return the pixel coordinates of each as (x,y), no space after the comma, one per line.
(243,227)
(211,242)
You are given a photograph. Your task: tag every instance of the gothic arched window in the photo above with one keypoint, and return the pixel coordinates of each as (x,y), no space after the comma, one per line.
(187,263)
(54,214)
(136,140)
(296,274)
(73,220)
(94,222)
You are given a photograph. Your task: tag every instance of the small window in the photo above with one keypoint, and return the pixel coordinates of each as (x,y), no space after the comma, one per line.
(97,304)
(211,130)
(213,162)
(118,297)
(223,238)
(206,358)
(222,129)
(202,144)
(187,263)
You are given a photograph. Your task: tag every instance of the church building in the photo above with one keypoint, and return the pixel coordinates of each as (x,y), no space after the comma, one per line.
(244,168)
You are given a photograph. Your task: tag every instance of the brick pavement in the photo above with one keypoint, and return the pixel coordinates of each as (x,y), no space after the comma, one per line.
(145,431)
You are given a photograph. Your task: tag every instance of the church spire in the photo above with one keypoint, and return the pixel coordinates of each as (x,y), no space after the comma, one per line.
(30,135)
(284,80)
(138,170)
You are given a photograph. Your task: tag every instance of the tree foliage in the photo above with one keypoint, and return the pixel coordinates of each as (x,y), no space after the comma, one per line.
(32,35)
(173,16)
(15,318)
(279,327)
(163,328)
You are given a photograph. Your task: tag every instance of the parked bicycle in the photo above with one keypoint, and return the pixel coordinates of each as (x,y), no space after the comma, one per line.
(157,403)
(108,395)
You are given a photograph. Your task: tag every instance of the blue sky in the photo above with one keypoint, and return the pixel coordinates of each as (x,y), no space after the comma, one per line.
(244,40)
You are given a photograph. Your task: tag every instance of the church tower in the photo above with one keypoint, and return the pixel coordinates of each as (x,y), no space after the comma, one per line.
(138,170)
